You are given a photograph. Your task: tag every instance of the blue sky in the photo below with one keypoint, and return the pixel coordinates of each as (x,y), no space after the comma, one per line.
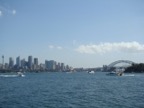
(81,33)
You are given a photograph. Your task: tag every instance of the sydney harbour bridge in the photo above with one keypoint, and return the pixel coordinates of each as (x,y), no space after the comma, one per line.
(121,64)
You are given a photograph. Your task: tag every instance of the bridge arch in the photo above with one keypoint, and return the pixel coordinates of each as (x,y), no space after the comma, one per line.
(120,61)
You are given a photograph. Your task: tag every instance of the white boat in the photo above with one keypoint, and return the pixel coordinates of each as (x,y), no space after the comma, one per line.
(20,74)
(91,72)
(115,73)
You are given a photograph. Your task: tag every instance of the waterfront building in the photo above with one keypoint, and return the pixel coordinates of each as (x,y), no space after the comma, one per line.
(36,61)
(46,64)
(3,62)
(6,65)
(36,64)
(50,65)
(11,63)
(58,66)
(30,62)
(42,66)
(67,67)
(62,66)
(23,63)
(18,62)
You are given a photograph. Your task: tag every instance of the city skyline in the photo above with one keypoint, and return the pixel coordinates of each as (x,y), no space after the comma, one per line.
(30,58)
(18,61)
(33,64)
(79,33)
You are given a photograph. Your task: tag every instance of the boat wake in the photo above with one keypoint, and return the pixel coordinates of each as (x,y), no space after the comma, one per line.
(11,76)
(128,75)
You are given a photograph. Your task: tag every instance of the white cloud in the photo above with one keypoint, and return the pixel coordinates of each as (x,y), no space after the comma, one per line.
(51,46)
(55,47)
(130,47)
(6,10)
(0,13)
(13,12)
(59,48)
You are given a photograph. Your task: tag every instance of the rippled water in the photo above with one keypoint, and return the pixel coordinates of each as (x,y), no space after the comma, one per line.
(75,90)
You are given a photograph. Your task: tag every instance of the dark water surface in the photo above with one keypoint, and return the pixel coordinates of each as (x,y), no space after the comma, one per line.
(72,90)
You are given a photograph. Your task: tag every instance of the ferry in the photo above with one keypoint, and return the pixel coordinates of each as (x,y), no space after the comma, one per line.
(116,73)
(19,74)
(91,72)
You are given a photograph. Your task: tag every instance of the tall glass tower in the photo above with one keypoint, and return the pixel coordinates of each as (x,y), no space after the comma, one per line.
(11,62)
(30,62)
(18,62)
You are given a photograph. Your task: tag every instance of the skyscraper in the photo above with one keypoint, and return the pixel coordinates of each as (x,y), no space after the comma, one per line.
(50,65)
(30,62)
(46,64)
(36,61)
(58,66)
(11,62)
(62,66)
(23,63)
(2,61)
(18,62)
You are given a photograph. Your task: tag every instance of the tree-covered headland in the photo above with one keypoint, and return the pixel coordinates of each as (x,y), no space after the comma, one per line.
(138,68)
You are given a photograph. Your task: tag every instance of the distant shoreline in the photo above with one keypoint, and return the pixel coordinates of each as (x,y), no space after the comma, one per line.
(39,71)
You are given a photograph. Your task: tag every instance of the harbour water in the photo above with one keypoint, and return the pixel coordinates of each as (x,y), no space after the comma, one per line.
(72,90)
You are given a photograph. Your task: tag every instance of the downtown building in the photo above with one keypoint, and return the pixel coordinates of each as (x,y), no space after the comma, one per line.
(62,66)
(23,64)
(30,62)
(50,65)
(35,66)
(18,62)
(11,63)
